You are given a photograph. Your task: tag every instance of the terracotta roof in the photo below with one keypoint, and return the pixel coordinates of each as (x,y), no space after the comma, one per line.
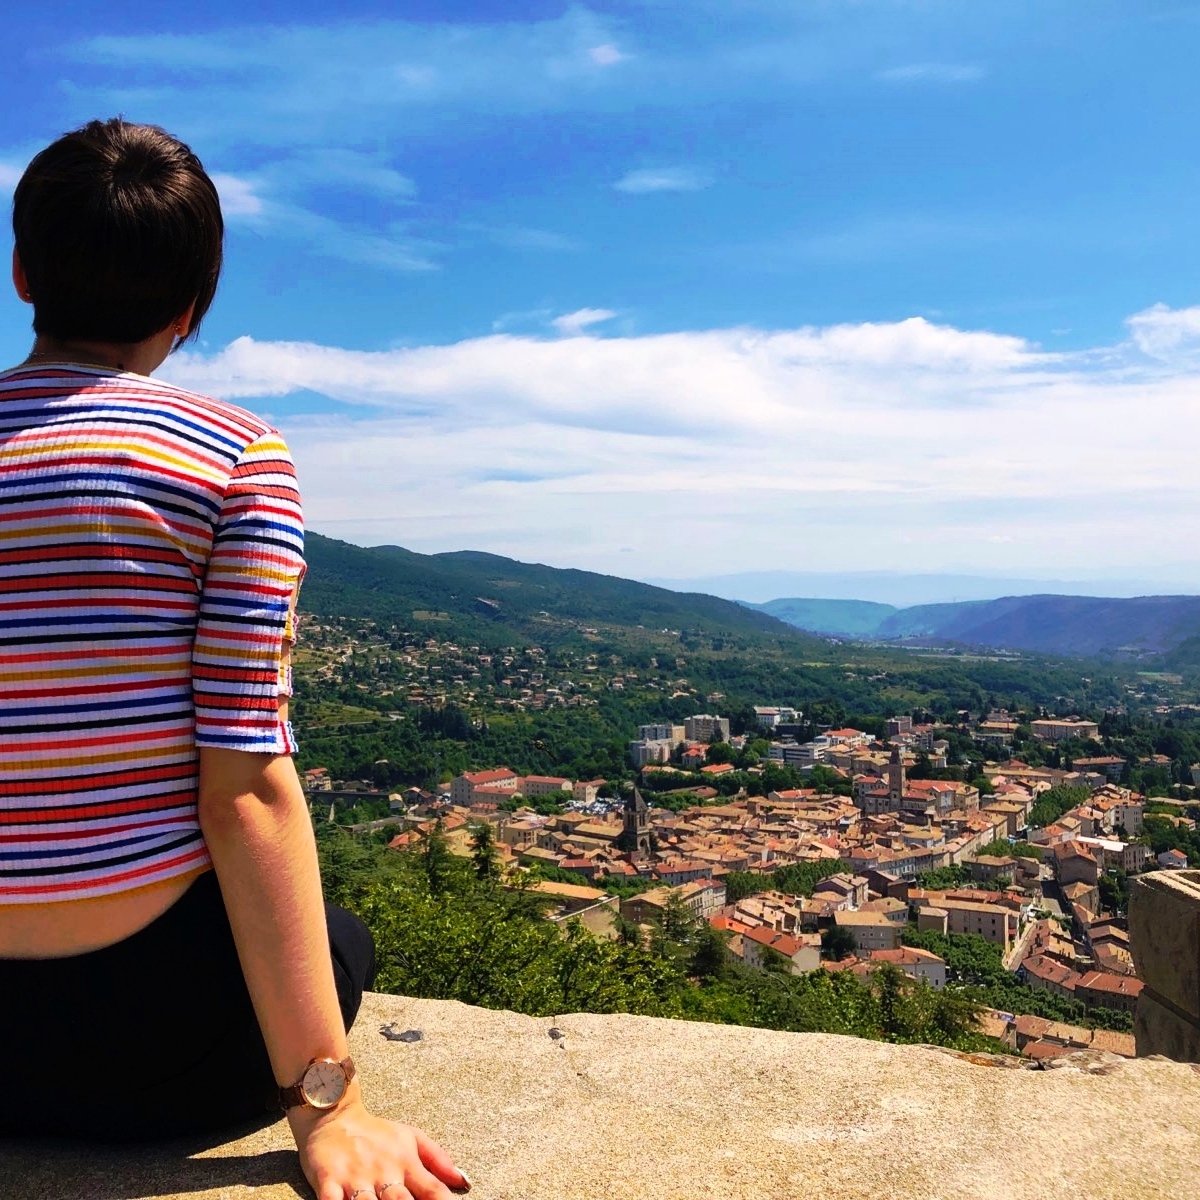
(1115,985)
(477,777)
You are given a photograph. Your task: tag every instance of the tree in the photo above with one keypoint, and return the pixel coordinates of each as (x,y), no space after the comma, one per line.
(710,958)
(837,942)
(678,921)
(437,860)
(483,852)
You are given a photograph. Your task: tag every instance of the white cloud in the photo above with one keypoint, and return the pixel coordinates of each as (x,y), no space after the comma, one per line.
(814,448)
(520,237)
(573,324)
(605,55)
(340,82)
(10,175)
(238,197)
(1166,333)
(933,72)
(664,179)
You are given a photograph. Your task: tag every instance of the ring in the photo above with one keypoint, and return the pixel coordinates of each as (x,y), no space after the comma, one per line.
(379,1191)
(361,1192)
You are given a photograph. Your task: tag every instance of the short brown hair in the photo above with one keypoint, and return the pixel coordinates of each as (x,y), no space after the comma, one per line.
(119,229)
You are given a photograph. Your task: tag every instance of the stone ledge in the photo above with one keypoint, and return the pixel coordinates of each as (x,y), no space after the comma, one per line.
(667,1110)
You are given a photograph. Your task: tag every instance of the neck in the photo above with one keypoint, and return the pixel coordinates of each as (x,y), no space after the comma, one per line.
(140,358)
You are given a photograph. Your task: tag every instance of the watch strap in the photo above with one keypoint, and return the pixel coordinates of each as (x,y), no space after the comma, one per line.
(291,1097)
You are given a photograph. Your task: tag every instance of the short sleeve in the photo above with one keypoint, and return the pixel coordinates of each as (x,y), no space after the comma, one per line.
(247,605)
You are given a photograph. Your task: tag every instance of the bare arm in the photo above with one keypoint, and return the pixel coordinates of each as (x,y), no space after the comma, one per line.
(256,823)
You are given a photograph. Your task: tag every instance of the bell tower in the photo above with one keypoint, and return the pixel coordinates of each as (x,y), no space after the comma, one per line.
(635,835)
(895,778)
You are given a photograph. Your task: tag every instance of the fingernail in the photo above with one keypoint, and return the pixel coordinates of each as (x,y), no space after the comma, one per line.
(466,1183)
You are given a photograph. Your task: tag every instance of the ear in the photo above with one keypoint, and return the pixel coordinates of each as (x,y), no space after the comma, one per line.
(184,325)
(20,281)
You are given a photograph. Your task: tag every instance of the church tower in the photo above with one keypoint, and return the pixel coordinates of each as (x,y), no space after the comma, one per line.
(895,779)
(635,836)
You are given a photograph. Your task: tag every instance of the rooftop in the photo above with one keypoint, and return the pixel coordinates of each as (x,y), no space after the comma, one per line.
(668,1109)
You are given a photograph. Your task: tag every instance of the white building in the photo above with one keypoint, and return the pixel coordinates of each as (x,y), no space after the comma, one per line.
(706,728)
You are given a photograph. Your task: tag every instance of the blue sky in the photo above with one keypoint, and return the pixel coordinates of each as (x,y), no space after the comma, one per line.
(675,288)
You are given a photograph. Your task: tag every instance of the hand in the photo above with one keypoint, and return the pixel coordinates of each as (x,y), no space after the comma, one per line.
(347,1150)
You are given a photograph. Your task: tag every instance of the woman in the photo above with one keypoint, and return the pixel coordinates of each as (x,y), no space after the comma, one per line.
(165,956)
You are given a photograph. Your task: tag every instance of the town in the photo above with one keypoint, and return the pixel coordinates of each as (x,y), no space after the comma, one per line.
(893,862)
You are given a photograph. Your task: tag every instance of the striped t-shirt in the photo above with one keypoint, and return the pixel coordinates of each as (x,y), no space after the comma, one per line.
(151,549)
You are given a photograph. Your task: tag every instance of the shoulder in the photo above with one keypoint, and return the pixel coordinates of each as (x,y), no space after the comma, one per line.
(240,423)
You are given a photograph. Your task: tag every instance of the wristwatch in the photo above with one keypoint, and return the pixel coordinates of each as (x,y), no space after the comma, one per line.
(322,1085)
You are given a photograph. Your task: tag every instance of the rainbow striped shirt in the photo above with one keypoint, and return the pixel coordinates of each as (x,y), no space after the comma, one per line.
(151,548)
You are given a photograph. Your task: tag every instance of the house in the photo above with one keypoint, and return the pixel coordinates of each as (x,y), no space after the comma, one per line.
(932,919)
(852,891)
(1049,975)
(543,785)
(1062,729)
(678,871)
(1076,864)
(587,791)
(871,931)
(986,867)
(803,953)
(1173,860)
(991,922)
(915,963)
(462,790)
(893,909)
(646,907)
(1099,989)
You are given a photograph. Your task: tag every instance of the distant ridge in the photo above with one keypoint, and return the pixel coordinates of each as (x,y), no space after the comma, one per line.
(491,600)
(836,618)
(1142,626)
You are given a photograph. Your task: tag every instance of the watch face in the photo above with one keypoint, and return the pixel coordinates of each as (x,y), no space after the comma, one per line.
(324,1083)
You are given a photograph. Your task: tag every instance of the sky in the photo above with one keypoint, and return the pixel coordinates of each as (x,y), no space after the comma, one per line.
(681,289)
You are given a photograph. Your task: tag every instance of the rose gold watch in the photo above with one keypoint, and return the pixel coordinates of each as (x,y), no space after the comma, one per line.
(322,1085)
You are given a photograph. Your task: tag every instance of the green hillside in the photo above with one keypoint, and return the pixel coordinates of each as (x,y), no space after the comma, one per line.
(494,600)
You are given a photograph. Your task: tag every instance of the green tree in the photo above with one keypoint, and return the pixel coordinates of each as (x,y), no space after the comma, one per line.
(837,942)
(678,920)
(437,860)
(483,852)
(710,957)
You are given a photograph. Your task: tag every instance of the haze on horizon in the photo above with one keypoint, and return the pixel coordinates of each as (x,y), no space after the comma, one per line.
(681,290)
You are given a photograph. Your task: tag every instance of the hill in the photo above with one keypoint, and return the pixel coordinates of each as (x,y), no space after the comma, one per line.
(844,618)
(491,600)
(1144,626)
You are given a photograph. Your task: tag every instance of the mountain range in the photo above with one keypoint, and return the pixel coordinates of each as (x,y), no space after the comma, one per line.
(1141,626)
(492,600)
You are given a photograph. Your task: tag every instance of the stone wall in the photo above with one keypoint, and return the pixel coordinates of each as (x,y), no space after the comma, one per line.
(632,1108)
(1164,935)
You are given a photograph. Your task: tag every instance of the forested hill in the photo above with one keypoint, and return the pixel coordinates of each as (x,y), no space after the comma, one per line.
(493,600)
(1144,626)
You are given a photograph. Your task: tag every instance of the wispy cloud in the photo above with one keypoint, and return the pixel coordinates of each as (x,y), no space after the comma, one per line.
(954,436)
(10,175)
(269,84)
(271,203)
(664,179)
(933,72)
(519,237)
(573,324)
(238,196)
(606,55)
